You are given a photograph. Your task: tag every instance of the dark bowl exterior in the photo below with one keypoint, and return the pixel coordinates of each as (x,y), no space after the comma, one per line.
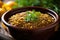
(36,34)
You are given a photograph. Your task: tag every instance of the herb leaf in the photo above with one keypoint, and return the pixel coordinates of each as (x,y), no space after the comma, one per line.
(32,16)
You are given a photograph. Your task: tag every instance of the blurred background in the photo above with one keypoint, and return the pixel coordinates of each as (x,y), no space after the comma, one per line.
(11,4)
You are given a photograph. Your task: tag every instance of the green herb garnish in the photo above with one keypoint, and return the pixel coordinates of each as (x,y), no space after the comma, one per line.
(32,16)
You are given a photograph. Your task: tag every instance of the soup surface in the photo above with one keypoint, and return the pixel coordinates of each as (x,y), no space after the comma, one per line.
(31,19)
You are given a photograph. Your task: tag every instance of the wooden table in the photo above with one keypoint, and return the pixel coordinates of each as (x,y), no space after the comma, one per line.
(4,34)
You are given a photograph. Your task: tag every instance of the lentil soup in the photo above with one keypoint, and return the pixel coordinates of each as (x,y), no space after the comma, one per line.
(31,19)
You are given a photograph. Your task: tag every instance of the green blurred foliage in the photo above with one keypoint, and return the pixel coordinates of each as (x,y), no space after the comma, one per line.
(51,4)
(22,3)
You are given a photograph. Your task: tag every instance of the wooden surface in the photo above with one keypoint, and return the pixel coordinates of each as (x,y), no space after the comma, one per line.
(3,31)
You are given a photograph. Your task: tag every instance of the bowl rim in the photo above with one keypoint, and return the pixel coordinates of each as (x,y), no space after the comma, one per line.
(50,26)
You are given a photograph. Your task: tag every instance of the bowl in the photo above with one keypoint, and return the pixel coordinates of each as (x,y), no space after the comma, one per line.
(34,34)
